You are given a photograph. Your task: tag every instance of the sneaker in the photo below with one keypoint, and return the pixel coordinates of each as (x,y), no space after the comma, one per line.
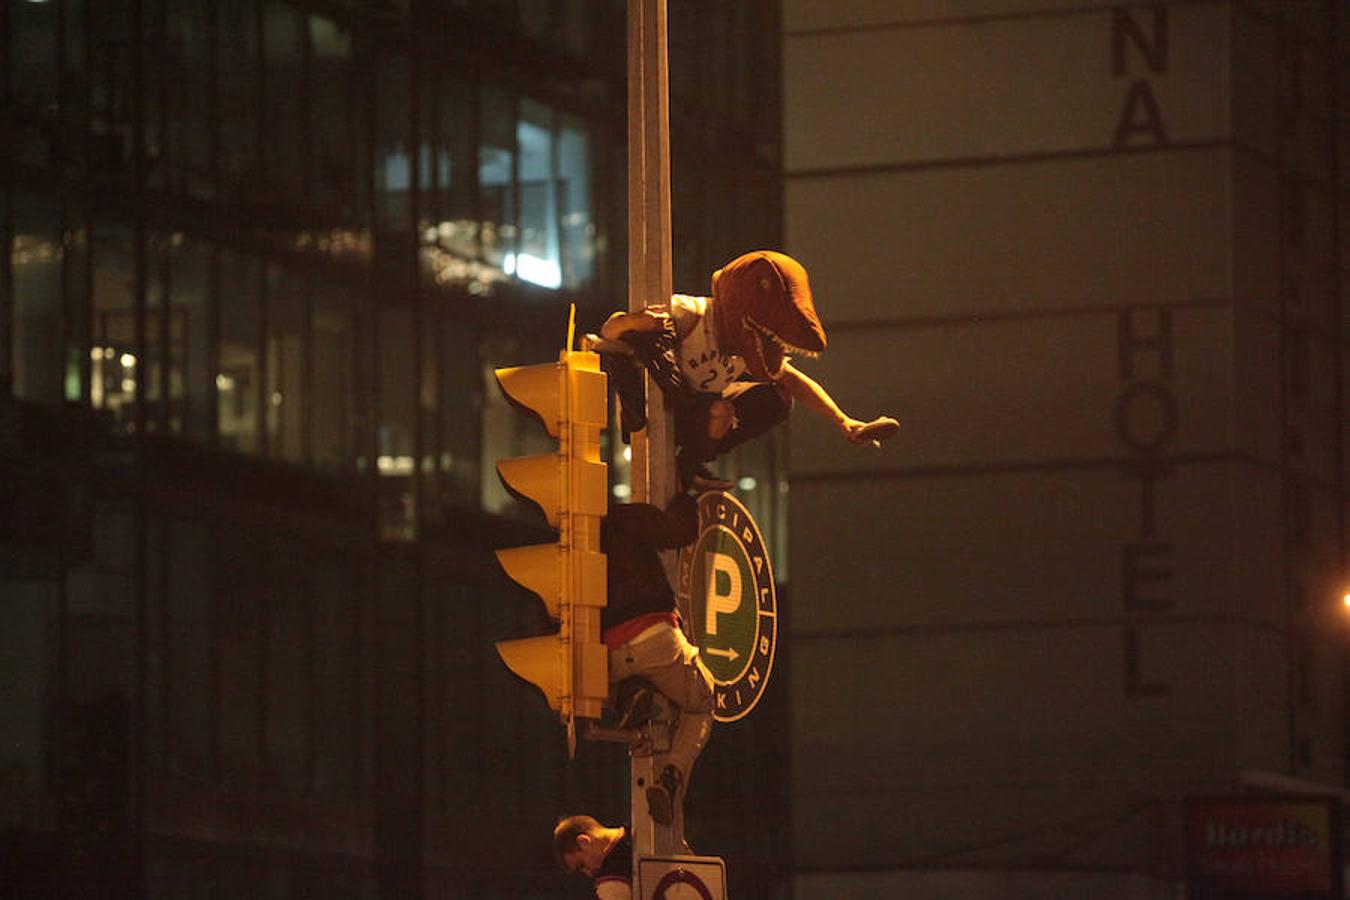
(877,430)
(661,796)
(704,480)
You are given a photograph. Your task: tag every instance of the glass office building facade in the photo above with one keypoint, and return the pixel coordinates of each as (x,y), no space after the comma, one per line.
(262,259)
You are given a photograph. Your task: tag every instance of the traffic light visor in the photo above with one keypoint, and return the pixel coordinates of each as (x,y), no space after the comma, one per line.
(539,660)
(535,389)
(540,568)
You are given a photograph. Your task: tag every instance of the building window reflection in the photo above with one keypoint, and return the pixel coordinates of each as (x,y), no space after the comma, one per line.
(332,224)
(290,242)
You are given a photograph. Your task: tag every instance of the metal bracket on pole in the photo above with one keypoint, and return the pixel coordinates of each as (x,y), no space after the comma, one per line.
(647,757)
(648,746)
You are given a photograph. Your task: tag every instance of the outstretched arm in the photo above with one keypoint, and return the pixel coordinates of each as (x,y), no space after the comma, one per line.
(811,394)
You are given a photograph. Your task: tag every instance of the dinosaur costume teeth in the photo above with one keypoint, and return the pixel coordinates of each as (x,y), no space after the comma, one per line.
(763,311)
(788,348)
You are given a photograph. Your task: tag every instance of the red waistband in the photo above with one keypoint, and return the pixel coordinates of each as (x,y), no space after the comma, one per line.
(618,635)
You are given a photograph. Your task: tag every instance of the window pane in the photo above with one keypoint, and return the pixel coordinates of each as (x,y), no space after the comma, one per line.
(287,669)
(397,449)
(26,695)
(393,147)
(284,30)
(114,368)
(461,399)
(36,256)
(111,94)
(537,17)
(76,287)
(496,177)
(337,673)
(238,382)
(284,398)
(331,402)
(580,20)
(240,591)
(150,361)
(186,86)
(237,85)
(428,392)
(450,233)
(32,72)
(190,602)
(191,381)
(575,205)
(161,360)
(536,259)
(332,136)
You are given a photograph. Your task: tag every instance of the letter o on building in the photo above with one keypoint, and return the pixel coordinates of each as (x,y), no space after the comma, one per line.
(1146,417)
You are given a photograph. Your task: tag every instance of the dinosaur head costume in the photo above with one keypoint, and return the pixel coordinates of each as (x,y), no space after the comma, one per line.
(762,311)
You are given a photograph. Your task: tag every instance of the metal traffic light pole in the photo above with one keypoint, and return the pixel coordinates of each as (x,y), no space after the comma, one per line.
(649,248)
(649,281)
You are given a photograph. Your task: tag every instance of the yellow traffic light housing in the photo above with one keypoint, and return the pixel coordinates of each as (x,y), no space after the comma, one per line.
(571,399)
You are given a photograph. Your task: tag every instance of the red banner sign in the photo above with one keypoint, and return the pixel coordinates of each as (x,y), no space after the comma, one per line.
(1267,847)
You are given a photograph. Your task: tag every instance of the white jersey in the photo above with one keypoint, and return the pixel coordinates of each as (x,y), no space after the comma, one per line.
(706,368)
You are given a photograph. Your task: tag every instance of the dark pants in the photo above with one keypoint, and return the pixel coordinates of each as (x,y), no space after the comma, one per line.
(759,407)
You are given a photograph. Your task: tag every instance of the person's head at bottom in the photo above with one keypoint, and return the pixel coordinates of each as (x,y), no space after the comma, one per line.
(582,843)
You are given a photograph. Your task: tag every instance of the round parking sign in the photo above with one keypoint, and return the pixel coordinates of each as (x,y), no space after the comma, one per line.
(727,598)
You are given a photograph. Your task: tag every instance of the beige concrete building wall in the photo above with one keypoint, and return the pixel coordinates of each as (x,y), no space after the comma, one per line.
(1086,254)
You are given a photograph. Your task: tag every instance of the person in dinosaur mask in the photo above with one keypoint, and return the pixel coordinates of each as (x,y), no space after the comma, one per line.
(724,360)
